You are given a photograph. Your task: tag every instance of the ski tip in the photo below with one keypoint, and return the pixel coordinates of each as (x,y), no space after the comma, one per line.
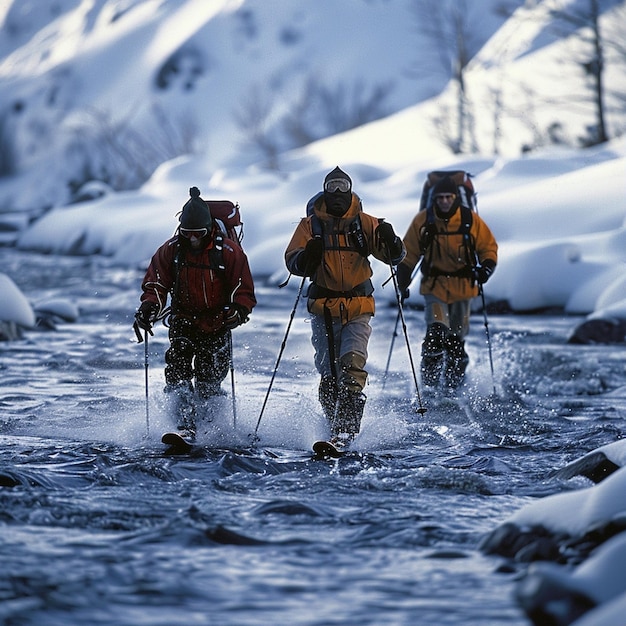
(176,443)
(326,450)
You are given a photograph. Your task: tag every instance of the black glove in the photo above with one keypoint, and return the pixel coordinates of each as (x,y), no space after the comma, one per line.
(484,271)
(311,256)
(235,315)
(403,274)
(146,315)
(384,231)
(427,234)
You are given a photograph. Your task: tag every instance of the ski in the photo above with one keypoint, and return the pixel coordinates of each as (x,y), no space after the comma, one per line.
(327,450)
(177,444)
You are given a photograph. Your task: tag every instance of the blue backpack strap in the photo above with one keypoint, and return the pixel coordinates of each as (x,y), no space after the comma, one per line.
(310,205)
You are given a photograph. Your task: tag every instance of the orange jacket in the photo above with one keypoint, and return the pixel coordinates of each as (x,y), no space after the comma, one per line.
(341,283)
(448,255)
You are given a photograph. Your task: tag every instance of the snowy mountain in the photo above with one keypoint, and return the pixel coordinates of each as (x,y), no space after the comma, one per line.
(139,100)
(110,89)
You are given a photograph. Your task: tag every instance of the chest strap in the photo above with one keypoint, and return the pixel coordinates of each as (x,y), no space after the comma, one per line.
(366,288)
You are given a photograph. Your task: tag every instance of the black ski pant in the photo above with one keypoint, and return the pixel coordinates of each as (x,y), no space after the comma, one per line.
(194,353)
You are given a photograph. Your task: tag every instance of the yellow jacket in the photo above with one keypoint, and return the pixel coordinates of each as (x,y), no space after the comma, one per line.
(447,266)
(341,282)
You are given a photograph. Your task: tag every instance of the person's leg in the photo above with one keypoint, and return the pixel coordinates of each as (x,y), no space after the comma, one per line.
(457,359)
(179,374)
(179,356)
(212,362)
(353,342)
(327,390)
(460,318)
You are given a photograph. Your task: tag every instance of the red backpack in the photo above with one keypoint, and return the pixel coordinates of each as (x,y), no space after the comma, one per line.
(228,217)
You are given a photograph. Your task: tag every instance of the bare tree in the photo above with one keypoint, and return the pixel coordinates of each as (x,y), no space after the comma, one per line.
(253,118)
(449,28)
(320,111)
(602,46)
(118,153)
(583,21)
(8,151)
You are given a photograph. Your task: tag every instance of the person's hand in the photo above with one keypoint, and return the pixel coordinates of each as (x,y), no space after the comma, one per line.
(385,231)
(484,271)
(386,234)
(146,315)
(427,234)
(311,256)
(403,274)
(234,315)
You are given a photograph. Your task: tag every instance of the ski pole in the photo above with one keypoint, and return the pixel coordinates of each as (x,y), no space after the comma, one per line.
(393,339)
(421,410)
(280,354)
(486,322)
(146,376)
(232,378)
(481,291)
(395,328)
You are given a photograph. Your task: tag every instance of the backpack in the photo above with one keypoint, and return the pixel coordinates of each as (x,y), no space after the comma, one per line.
(228,218)
(463,180)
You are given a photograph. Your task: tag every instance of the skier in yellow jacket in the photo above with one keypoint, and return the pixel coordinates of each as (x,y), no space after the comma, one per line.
(459,254)
(332,246)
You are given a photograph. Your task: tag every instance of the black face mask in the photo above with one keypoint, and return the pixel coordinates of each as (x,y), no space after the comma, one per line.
(338,203)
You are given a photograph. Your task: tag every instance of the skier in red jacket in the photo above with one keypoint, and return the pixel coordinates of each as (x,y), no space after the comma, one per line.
(211,289)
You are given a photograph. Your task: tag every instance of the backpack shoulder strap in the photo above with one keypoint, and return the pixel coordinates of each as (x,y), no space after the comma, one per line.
(467,219)
(216,253)
(353,238)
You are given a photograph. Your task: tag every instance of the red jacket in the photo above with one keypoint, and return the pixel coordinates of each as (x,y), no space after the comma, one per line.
(198,289)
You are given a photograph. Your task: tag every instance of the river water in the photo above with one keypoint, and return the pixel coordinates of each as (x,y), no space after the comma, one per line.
(99,526)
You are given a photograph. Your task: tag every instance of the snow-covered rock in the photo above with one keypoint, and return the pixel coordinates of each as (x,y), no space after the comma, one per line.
(16,312)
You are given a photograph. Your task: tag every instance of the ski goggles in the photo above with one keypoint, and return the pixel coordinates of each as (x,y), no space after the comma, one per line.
(337,184)
(193,233)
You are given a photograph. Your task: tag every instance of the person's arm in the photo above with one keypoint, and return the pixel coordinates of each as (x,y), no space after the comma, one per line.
(240,296)
(304,252)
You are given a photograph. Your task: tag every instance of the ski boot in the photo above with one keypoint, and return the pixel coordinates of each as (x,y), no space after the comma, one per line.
(456,361)
(433,354)
(210,396)
(346,423)
(181,406)
(327,393)
(208,390)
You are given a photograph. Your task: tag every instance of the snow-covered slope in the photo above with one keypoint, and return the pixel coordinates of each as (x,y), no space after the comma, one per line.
(108,88)
(111,88)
